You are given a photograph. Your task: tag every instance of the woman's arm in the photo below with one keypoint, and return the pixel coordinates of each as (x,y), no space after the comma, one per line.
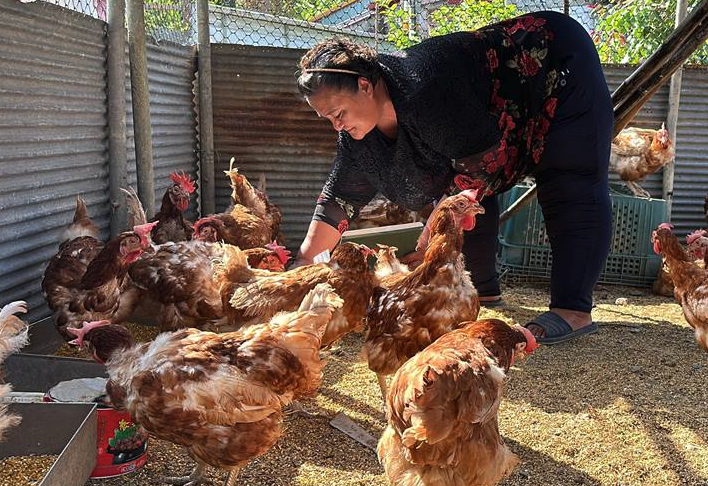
(346,191)
(320,237)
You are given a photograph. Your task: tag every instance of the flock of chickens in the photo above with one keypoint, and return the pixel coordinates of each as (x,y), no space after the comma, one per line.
(243,335)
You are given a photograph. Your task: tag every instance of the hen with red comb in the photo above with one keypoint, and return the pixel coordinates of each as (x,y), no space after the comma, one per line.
(80,289)
(690,289)
(444,404)
(172,224)
(430,301)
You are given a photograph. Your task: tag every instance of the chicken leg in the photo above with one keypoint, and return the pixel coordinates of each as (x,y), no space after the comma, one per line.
(384,390)
(231,477)
(636,190)
(196,477)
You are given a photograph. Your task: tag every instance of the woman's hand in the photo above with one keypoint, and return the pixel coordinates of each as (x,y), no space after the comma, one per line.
(413,259)
(298,262)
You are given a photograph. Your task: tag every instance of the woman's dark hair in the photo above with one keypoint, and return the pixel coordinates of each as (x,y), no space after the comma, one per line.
(337,53)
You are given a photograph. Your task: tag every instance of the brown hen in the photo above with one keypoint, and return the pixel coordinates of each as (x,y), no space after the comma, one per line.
(219,395)
(251,221)
(256,295)
(430,301)
(13,336)
(638,152)
(83,281)
(442,409)
(175,285)
(690,281)
(171,225)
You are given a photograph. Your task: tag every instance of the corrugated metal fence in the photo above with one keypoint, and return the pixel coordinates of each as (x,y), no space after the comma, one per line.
(54,135)
(171,73)
(262,121)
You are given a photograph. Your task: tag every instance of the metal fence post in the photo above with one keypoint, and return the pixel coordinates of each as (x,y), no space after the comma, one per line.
(117,156)
(206,111)
(672,116)
(141,105)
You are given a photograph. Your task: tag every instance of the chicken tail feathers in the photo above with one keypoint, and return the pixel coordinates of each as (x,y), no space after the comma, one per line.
(13,336)
(136,211)
(233,261)
(7,420)
(13,331)
(324,301)
(81,224)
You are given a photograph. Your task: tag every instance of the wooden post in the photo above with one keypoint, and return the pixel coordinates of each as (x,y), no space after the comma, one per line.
(117,153)
(141,105)
(206,112)
(672,118)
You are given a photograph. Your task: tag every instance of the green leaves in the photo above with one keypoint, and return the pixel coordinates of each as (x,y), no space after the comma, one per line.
(468,15)
(629,31)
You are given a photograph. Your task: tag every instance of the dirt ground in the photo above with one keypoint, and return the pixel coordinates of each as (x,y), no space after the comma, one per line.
(625,406)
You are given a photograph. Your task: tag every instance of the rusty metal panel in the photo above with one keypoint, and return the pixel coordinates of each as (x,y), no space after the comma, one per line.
(171,73)
(691,174)
(652,115)
(53,138)
(262,121)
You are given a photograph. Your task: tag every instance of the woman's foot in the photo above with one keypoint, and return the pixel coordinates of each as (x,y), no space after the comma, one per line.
(575,319)
(490,301)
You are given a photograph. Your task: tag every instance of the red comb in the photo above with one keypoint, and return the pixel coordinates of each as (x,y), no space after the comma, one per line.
(470,194)
(200,222)
(145,229)
(184,181)
(281,251)
(694,236)
(531,343)
(666,226)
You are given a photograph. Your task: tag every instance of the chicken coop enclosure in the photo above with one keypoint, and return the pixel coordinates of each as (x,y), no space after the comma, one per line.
(56,133)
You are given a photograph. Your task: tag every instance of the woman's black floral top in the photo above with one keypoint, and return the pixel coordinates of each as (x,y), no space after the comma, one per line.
(473,112)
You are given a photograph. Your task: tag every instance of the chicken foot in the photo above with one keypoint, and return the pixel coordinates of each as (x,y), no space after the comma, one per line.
(196,477)
(296,408)
(637,190)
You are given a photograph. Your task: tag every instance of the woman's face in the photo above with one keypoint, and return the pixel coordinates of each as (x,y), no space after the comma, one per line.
(356,113)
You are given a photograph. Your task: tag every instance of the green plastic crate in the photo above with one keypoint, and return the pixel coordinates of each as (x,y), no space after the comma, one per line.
(525,253)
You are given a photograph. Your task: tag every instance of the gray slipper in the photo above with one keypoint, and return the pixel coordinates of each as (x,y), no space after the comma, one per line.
(492,303)
(557,330)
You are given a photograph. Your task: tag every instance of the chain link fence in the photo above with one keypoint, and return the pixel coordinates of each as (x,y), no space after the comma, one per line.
(625,31)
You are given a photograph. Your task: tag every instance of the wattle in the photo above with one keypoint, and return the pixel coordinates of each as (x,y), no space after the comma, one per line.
(468,222)
(657,247)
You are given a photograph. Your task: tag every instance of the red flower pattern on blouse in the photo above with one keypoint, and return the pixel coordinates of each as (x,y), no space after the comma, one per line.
(550,106)
(529,65)
(527,23)
(464,182)
(492,60)
(523,132)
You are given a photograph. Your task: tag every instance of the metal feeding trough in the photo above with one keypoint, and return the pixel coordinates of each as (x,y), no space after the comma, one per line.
(39,373)
(66,430)
(119,446)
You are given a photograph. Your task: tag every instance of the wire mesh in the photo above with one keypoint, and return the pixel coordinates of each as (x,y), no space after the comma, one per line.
(625,31)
